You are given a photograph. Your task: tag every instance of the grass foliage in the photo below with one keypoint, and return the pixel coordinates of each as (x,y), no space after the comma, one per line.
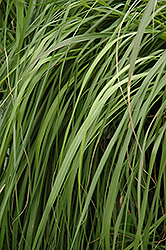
(83,127)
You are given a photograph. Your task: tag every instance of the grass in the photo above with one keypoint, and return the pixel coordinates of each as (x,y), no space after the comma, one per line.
(82,130)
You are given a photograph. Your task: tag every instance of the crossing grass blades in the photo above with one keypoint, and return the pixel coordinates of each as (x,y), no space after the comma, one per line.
(83,124)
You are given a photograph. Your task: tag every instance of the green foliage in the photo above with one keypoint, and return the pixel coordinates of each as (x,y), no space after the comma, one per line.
(82,128)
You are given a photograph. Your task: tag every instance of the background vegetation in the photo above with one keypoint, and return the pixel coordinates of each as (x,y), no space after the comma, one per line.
(83,127)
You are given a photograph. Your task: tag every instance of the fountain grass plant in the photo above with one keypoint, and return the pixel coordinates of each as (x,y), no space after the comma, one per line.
(83,128)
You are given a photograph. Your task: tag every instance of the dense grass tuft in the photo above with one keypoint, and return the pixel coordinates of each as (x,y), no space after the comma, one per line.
(82,124)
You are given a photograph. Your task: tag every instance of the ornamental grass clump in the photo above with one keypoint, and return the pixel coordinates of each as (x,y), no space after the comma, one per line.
(82,124)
